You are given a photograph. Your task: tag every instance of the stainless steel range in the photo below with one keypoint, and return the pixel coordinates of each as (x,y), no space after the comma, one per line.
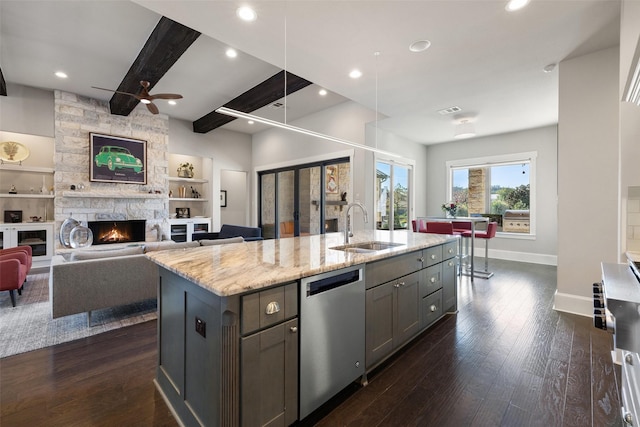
(616,304)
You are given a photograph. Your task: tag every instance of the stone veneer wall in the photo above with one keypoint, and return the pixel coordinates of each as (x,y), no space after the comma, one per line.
(477,196)
(75,118)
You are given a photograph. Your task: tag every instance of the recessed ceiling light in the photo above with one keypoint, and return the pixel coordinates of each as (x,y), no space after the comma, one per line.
(231,53)
(250,122)
(246,14)
(514,5)
(61,74)
(172,102)
(355,74)
(322,92)
(419,45)
(549,68)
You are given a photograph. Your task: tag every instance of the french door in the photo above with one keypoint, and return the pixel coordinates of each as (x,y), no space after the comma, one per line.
(393,190)
(304,200)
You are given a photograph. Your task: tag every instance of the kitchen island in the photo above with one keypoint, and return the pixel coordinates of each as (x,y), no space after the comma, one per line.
(228,316)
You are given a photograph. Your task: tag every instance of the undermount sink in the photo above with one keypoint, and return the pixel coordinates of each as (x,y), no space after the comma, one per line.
(365,247)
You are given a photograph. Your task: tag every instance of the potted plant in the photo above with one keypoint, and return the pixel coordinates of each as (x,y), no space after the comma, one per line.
(185,170)
(450,209)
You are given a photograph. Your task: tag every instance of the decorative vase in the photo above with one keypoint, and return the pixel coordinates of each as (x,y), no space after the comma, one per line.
(185,173)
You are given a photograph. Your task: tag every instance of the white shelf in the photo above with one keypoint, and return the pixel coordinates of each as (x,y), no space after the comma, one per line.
(27,196)
(187,199)
(33,169)
(111,195)
(192,180)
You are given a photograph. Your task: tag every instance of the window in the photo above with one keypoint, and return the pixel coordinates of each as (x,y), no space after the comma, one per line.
(393,195)
(499,187)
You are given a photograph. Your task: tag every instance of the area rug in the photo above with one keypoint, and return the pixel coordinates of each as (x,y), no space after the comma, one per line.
(29,326)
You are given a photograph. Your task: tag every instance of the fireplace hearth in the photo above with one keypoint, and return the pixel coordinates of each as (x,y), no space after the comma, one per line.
(108,232)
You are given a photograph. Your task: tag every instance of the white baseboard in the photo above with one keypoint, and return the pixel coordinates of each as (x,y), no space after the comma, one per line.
(517,256)
(574,304)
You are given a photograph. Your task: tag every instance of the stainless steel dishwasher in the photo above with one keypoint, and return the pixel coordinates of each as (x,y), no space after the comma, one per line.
(332,340)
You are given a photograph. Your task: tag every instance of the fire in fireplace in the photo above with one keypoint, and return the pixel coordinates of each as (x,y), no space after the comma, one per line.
(106,232)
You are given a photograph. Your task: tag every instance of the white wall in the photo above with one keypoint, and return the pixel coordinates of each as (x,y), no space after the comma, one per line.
(236,185)
(588,173)
(544,142)
(629,132)
(27,110)
(229,151)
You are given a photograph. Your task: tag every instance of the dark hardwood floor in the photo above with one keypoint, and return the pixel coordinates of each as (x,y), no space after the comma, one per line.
(506,359)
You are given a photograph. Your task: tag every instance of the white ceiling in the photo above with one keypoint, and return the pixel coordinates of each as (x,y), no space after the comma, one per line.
(482,59)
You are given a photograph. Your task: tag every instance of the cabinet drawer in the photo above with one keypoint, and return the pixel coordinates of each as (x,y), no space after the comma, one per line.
(385,270)
(432,255)
(449,250)
(432,280)
(269,307)
(431,308)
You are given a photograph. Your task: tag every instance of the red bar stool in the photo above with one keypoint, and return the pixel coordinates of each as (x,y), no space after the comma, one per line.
(439,227)
(490,233)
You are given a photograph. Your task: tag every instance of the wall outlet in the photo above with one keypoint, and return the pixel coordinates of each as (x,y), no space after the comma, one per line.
(201,327)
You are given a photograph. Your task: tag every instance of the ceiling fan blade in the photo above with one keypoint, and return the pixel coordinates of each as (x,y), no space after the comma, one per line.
(152,107)
(116,91)
(165,96)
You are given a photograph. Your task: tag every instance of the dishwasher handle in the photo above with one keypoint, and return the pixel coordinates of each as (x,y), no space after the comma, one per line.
(332,282)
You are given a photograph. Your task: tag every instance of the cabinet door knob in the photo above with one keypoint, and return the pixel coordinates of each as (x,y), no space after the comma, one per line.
(450,250)
(433,308)
(628,359)
(433,256)
(421,259)
(396,285)
(432,279)
(272,308)
(450,263)
(293,329)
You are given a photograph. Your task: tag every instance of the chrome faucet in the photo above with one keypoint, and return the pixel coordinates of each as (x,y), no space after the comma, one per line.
(347,230)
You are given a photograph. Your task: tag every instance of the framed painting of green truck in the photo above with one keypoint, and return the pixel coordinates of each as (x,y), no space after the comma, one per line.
(118,159)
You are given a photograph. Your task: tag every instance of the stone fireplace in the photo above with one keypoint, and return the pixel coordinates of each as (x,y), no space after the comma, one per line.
(126,231)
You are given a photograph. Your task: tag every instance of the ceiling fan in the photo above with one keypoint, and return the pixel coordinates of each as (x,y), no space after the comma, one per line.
(145,97)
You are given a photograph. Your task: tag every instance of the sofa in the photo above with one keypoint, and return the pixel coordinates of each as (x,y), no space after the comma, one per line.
(228,231)
(86,280)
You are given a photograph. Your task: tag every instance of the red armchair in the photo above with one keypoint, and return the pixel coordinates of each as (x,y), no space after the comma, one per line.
(26,249)
(13,271)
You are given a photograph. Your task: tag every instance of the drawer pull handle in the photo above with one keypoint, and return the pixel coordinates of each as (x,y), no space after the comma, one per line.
(450,250)
(433,256)
(272,308)
(629,359)
(432,280)
(293,329)
(433,308)
(421,259)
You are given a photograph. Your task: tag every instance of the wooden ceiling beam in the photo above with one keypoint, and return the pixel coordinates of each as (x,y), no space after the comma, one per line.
(168,41)
(257,97)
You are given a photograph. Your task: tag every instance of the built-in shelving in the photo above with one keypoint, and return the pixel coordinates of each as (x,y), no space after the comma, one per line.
(192,180)
(187,199)
(28,196)
(32,169)
(111,195)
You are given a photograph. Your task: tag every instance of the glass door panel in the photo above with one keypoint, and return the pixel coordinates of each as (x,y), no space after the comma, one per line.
(383,195)
(37,239)
(400,197)
(268,205)
(310,196)
(337,192)
(286,203)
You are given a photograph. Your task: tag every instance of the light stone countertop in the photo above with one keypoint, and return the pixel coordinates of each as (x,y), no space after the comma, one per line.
(633,256)
(237,268)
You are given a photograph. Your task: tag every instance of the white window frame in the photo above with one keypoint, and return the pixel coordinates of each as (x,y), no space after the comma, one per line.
(498,160)
(393,161)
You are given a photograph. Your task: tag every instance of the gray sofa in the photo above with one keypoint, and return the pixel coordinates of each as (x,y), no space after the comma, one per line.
(87,280)
(228,231)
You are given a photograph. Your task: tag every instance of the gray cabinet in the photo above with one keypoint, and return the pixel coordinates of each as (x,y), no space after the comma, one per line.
(392,316)
(269,366)
(406,294)
(269,357)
